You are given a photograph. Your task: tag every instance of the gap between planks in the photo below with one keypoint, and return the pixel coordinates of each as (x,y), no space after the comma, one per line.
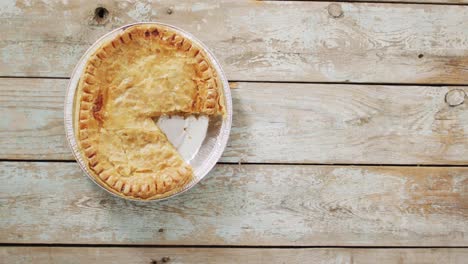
(282,82)
(212,255)
(52,245)
(283,163)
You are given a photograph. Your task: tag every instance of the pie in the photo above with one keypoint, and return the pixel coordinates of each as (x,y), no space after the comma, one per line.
(145,72)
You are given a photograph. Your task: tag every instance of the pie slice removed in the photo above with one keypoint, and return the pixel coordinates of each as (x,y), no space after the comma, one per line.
(143,73)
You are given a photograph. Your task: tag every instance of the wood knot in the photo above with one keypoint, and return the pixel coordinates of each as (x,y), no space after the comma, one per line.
(169,11)
(162,260)
(101,15)
(455,97)
(335,10)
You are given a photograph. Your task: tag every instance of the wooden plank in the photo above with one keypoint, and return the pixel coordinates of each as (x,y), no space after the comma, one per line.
(280,123)
(107,255)
(47,202)
(255,40)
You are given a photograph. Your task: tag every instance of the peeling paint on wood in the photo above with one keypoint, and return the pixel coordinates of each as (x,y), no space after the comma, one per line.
(243,205)
(267,41)
(39,255)
(276,122)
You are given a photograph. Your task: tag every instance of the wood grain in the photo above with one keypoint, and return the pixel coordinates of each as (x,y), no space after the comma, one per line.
(40,255)
(256,40)
(279,123)
(46,202)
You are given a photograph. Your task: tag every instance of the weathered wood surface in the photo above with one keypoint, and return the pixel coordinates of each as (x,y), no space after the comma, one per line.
(242,205)
(38,255)
(275,122)
(256,40)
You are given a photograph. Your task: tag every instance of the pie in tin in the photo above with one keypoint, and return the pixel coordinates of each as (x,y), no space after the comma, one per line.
(145,72)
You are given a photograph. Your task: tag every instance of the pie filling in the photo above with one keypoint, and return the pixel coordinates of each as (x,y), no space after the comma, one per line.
(145,72)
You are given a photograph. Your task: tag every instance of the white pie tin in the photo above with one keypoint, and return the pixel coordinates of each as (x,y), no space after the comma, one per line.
(201,155)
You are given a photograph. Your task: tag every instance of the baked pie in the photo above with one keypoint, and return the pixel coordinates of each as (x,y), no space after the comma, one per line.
(143,73)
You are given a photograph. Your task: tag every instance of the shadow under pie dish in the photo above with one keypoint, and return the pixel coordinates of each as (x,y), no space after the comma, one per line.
(142,73)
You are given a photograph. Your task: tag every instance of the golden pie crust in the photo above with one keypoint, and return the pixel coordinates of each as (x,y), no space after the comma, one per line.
(143,73)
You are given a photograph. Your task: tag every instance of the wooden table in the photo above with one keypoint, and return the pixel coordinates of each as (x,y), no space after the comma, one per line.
(349,142)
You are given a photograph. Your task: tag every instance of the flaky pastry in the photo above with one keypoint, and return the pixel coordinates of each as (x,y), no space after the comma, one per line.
(143,73)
